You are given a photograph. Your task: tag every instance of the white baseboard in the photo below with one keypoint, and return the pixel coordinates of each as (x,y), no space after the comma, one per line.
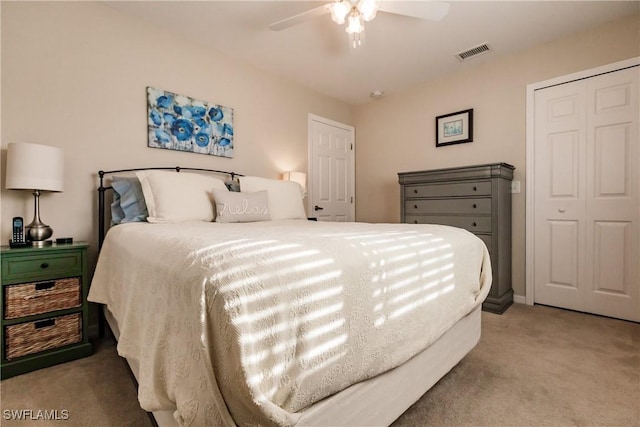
(519,299)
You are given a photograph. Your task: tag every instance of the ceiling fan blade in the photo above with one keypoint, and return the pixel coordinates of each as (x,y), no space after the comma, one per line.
(430,10)
(299,18)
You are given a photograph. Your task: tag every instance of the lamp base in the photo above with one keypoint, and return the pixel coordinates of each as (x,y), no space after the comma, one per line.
(37,234)
(41,243)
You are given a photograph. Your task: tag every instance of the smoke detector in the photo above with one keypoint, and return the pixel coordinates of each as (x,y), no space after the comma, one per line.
(376,94)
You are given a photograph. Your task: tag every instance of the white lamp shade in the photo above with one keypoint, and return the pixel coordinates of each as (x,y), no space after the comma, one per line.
(355,24)
(339,11)
(34,167)
(368,9)
(299,177)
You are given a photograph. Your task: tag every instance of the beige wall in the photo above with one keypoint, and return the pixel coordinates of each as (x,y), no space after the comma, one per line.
(74,76)
(397,134)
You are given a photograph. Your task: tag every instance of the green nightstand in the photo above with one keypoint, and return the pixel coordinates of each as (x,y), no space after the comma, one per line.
(45,314)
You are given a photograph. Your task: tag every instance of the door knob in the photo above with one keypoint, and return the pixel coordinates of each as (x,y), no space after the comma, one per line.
(317,208)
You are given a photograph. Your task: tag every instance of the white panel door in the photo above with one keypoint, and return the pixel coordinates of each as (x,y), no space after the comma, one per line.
(613,195)
(559,195)
(331,170)
(587,195)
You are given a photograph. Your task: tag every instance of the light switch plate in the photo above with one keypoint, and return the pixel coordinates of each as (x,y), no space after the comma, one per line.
(515,186)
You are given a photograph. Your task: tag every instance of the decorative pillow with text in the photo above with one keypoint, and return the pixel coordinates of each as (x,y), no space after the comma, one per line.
(233,206)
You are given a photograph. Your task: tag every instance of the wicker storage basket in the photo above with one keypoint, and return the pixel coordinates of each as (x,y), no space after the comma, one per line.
(40,297)
(34,337)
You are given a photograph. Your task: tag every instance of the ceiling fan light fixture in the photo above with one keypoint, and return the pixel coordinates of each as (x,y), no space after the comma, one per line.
(368,9)
(355,13)
(339,11)
(355,24)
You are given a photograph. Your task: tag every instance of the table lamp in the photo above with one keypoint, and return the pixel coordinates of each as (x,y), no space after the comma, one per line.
(37,168)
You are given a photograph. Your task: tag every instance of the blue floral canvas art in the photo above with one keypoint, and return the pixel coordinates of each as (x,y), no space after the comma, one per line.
(177,122)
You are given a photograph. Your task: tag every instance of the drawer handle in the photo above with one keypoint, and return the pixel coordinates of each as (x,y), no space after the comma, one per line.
(44,286)
(415,206)
(475,188)
(475,206)
(474,224)
(44,295)
(415,221)
(45,323)
(415,191)
(44,265)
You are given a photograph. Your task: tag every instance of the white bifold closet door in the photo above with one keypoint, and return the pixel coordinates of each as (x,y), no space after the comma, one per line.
(587,195)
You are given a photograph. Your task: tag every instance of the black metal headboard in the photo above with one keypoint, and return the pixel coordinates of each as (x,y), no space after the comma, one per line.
(101,191)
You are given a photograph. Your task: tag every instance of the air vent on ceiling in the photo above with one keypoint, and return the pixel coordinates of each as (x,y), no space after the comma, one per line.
(473,52)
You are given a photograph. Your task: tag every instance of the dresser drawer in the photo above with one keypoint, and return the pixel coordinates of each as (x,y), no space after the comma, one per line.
(41,297)
(471,188)
(33,337)
(448,206)
(42,266)
(481,224)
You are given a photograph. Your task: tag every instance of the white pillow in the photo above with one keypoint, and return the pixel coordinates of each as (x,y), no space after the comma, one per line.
(179,196)
(233,206)
(285,197)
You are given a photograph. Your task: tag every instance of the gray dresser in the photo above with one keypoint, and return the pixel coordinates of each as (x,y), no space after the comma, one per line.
(477,198)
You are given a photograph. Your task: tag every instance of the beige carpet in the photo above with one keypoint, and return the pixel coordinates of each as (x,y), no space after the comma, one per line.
(534,366)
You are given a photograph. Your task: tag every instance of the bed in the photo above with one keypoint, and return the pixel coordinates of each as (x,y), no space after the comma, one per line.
(285,321)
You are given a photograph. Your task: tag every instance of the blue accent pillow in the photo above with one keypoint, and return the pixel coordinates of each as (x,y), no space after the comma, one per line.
(128,201)
(233,185)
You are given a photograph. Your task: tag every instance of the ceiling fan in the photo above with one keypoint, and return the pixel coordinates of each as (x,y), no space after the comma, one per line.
(356,12)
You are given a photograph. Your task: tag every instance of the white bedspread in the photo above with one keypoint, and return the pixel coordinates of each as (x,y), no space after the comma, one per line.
(250,323)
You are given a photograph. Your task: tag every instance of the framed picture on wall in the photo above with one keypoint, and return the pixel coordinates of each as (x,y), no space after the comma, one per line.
(178,122)
(454,128)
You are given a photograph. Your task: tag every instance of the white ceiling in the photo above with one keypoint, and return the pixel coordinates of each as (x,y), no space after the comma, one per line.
(399,51)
